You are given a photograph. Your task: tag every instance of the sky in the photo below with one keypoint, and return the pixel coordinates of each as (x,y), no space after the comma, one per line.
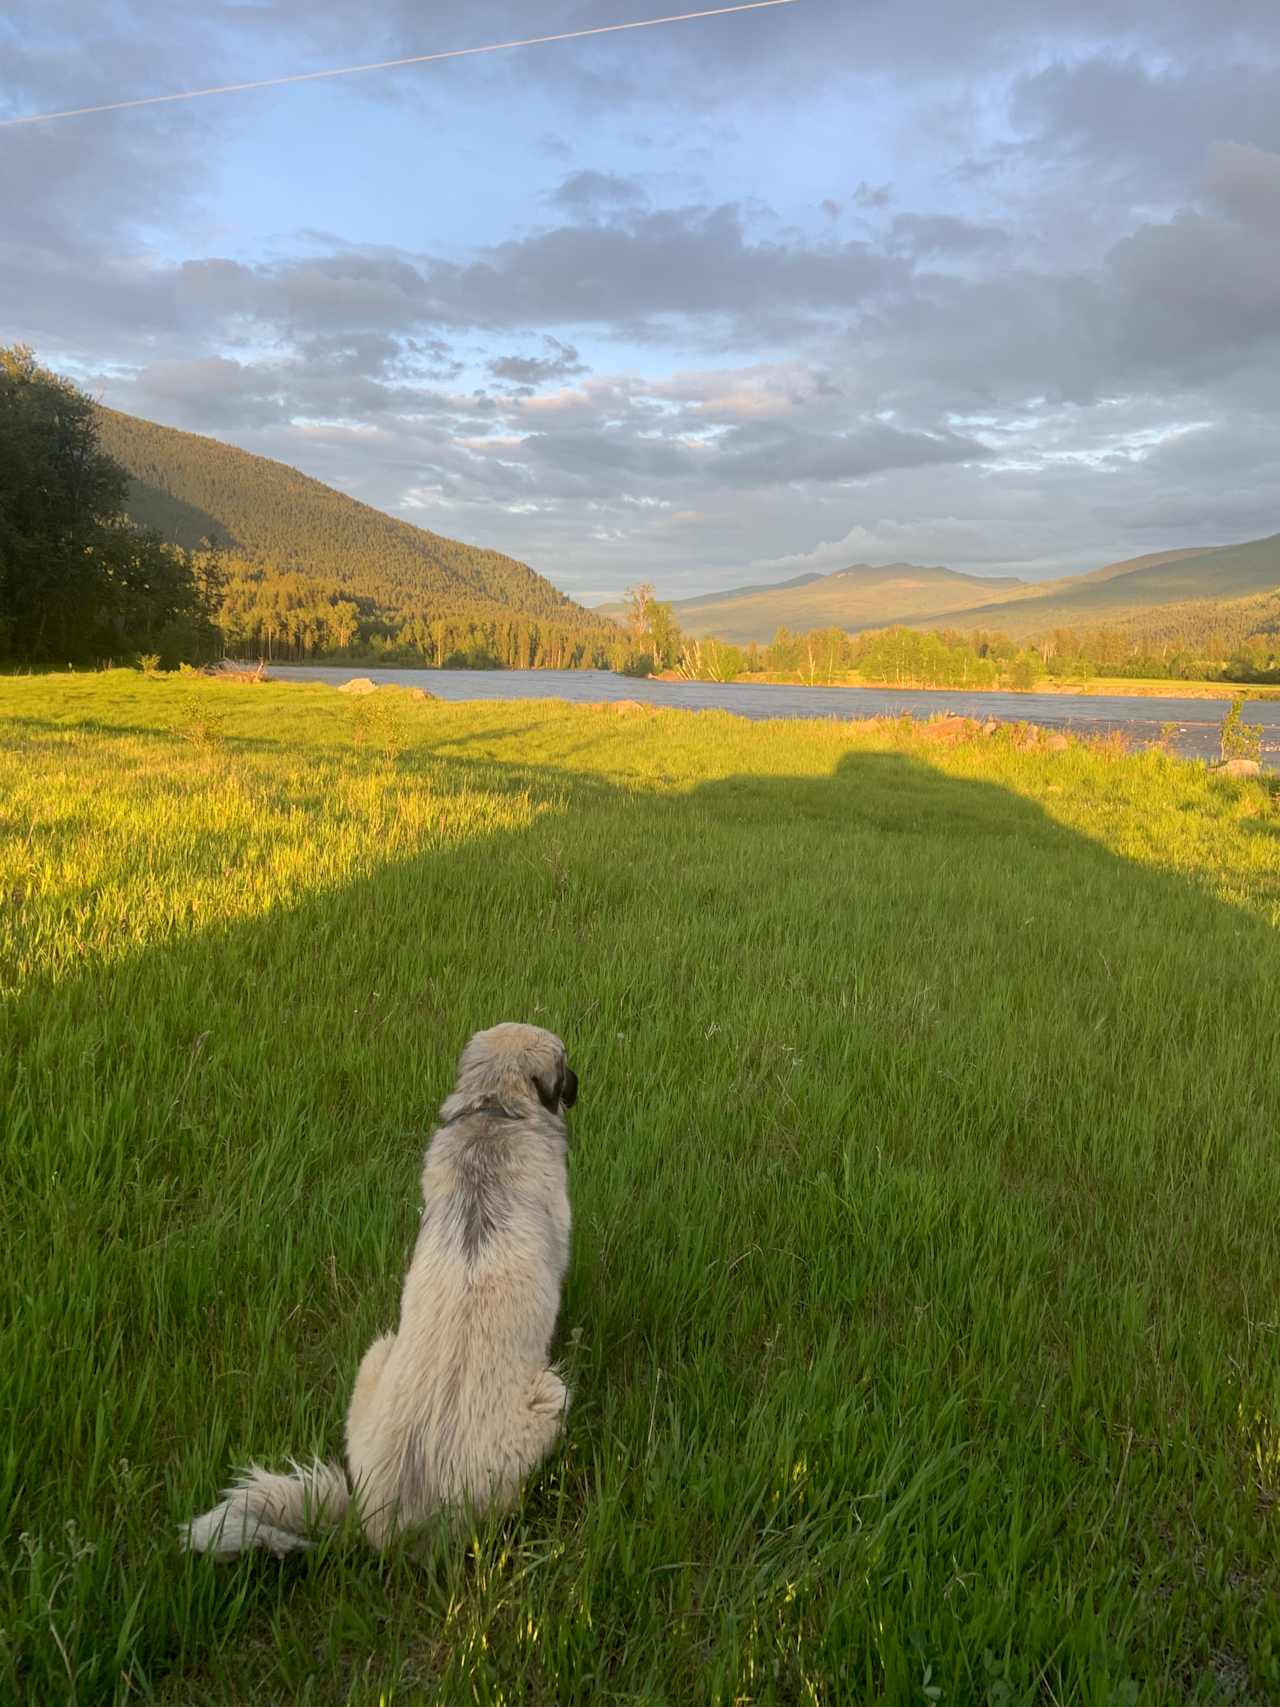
(995,286)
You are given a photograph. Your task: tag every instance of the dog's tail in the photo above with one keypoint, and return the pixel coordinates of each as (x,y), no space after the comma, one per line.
(283,1513)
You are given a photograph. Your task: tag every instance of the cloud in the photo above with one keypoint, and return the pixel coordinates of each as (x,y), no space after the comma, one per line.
(788,457)
(791,289)
(1206,285)
(751,457)
(1245,181)
(532,371)
(212,390)
(582,193)
(1136,131)
(802,53)
(659,269)
(944,234)
(690,271)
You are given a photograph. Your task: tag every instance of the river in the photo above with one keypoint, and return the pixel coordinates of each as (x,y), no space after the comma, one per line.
(1196,721)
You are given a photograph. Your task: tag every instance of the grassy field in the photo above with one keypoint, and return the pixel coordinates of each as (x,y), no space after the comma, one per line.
(1128,687)
(1156,687)
(924,1316)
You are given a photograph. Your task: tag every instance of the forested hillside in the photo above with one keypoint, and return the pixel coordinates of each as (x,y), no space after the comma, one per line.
(1206,628)
(1131,593)
(311,571)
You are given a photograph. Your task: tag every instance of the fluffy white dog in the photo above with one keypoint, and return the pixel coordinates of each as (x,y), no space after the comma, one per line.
(460,1403)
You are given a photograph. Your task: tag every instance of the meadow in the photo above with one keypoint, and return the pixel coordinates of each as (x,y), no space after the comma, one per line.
(924,1315)
(1126,687)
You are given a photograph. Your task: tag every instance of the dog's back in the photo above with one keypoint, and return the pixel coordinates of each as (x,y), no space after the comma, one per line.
(459,1404)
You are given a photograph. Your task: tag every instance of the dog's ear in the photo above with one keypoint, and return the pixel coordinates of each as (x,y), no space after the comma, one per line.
(549,1087)
(558,1090)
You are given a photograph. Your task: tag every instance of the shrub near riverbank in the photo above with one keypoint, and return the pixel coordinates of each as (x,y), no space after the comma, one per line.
(980,663)
(924,1259)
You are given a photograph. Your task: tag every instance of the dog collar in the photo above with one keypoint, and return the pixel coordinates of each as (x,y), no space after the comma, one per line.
(495,1108)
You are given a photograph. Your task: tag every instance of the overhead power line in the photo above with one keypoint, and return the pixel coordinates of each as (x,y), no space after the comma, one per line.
(391,64)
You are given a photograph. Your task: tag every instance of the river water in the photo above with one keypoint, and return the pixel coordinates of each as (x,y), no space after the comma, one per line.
(1196,721)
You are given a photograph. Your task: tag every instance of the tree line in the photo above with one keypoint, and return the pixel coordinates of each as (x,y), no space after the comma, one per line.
(1233,647)
(265,612)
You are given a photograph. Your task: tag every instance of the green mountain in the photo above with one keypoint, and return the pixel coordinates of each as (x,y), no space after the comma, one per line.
(1129,592)
(192,489)
(1203,628)
(862,596)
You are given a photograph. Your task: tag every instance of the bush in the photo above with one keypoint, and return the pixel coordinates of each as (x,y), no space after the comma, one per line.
(1240,740)
(380,721)
(1024,672)
(203,727)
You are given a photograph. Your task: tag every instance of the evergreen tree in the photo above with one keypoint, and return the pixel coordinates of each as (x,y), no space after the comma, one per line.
(77,581)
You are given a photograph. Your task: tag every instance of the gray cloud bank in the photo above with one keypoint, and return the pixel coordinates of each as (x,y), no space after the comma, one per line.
(1069,350)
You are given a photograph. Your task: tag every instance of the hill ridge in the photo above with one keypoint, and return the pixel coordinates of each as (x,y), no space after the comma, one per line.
(869,596)
(860,595)
(1120,593)
(191,487)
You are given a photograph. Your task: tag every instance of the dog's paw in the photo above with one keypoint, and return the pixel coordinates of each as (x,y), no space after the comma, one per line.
(549,1397)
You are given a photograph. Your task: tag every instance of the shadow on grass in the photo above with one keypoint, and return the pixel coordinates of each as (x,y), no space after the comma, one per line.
(787,998)
(19,726)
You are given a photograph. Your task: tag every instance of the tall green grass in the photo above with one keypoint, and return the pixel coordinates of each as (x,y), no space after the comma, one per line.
(924,1315)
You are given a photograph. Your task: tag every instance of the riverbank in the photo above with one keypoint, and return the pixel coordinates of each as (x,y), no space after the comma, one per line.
(922,1175)
(1119,687)
(1190,727)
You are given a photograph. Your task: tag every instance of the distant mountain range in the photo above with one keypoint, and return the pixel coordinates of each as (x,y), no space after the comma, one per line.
(192,489)
(862,596)
(869,596)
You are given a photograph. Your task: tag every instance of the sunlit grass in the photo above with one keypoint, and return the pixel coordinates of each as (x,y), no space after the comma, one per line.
(1158,687)
(924,1315)
(1127,687)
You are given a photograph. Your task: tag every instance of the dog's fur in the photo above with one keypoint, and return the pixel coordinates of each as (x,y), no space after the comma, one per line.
(455,1407)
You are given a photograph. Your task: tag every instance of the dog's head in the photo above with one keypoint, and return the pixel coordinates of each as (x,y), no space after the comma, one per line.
(515,1065)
